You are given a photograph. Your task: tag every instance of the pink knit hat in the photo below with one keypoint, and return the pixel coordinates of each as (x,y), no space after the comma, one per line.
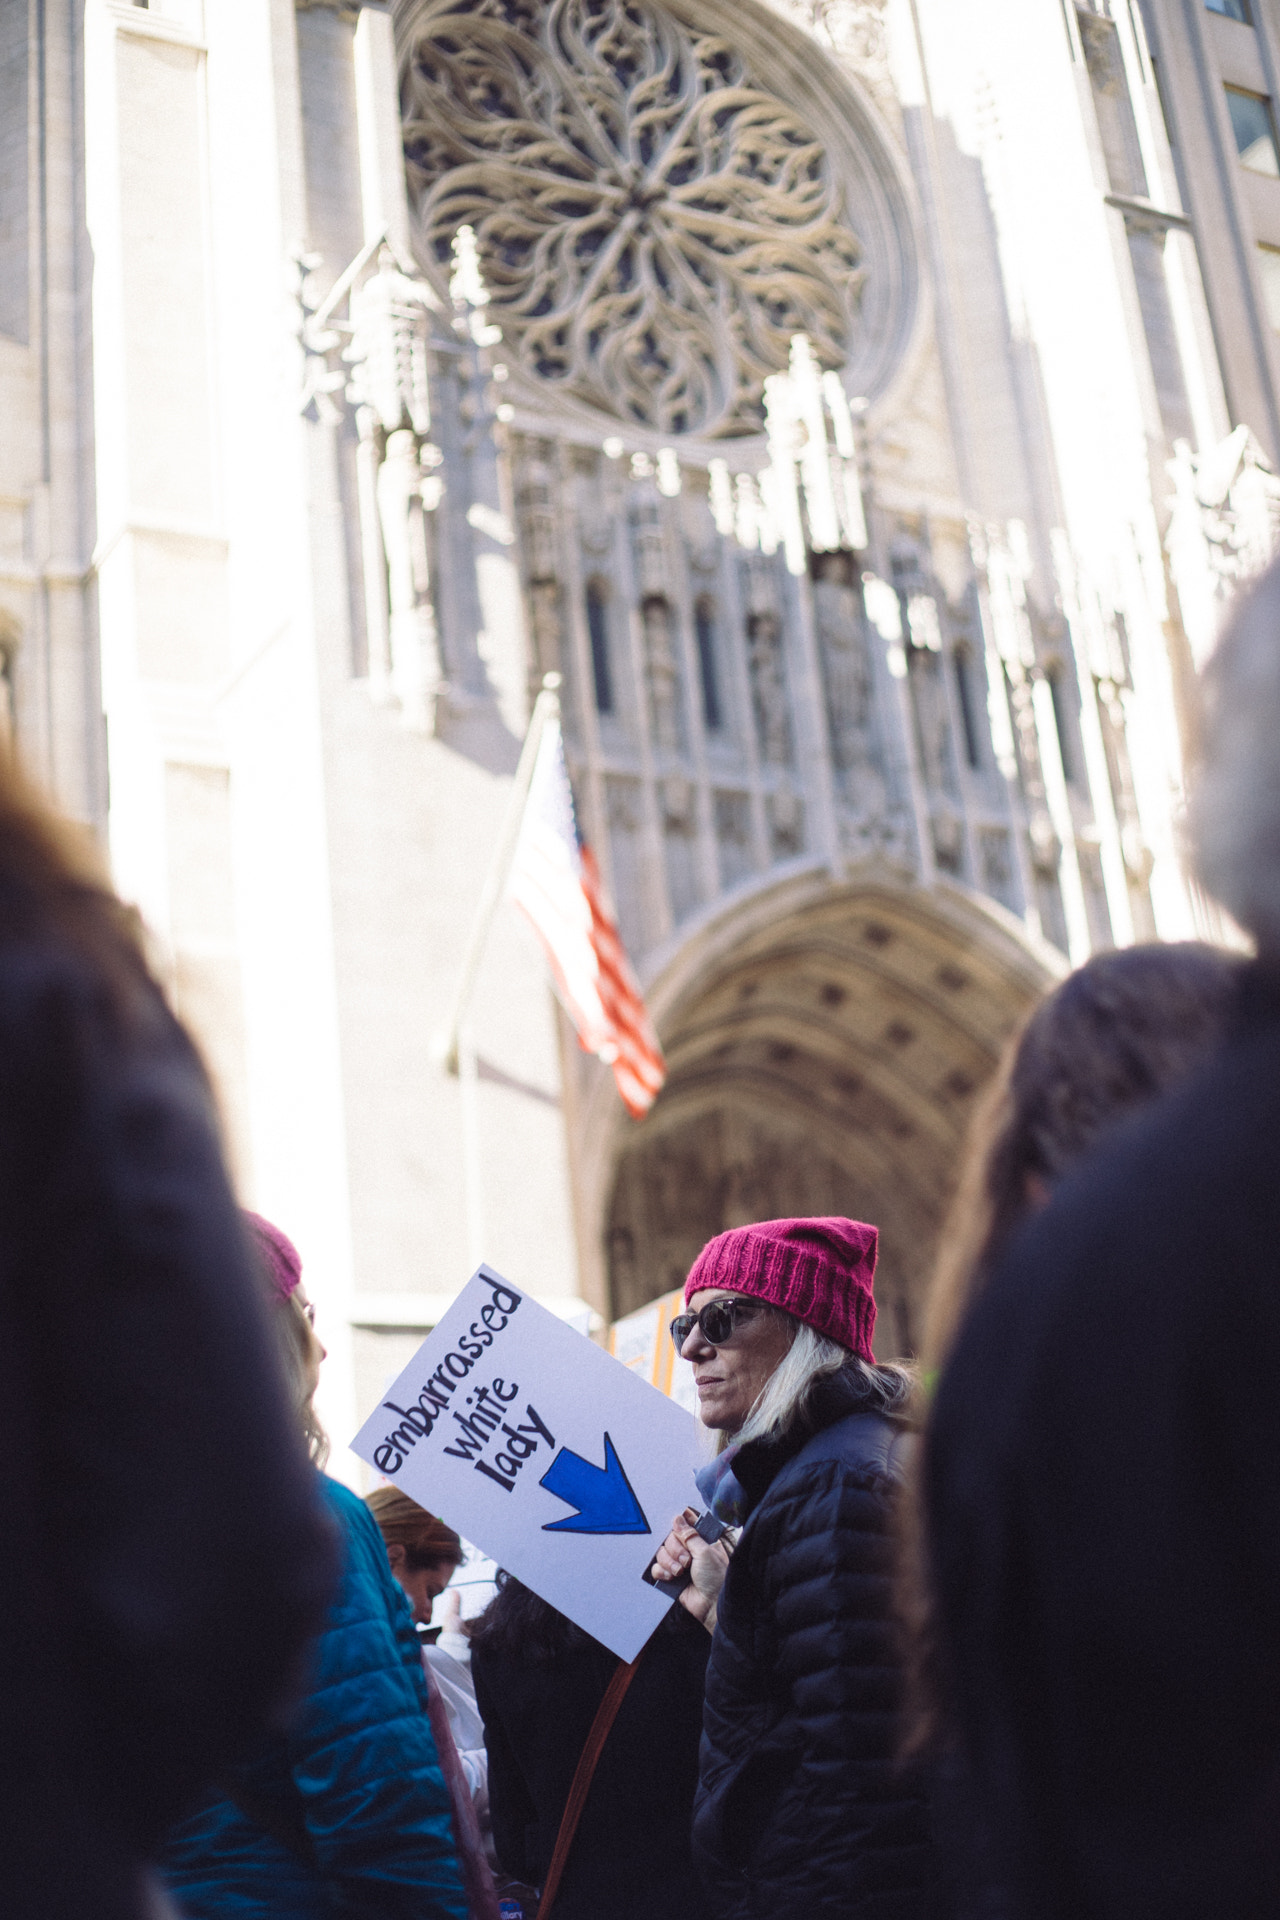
(819,1270)
(279,1255)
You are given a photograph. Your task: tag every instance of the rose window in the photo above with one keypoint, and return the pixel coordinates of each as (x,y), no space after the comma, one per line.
(654,223)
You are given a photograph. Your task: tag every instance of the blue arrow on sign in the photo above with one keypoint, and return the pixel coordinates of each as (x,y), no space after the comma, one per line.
(602,1495)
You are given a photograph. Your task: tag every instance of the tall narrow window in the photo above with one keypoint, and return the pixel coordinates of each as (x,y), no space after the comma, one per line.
(1165,115)
(1062,721)
(598,628)
(1269,272)
(1255,133)
(1231,9)
(704,627)
(967,694)
(1117,128)
(1066,21)
(1122,642)
(1138,31)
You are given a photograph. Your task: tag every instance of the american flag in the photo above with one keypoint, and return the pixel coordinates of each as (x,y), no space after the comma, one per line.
(556,883)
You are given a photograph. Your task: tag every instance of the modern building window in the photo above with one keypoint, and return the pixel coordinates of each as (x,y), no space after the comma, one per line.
(1254,131)
(1071,39)
(1269,273)
(1165,115)
(1138,31)
(967,695)
(1117,128)
(1231,9)
(704,627)
(598,628)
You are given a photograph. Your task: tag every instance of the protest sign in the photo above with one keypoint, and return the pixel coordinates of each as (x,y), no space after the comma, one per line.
(547,1453)
(642,1341)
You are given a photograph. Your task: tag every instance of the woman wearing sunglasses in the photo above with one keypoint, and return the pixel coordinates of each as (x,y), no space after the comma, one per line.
(802,1807)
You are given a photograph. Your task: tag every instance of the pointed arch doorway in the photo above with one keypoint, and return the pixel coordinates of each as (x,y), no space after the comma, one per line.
(826,1045)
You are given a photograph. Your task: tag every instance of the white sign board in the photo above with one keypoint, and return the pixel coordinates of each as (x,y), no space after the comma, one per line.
(545,1451)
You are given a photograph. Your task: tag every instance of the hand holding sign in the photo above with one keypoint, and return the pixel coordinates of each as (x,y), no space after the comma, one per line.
(692,1562)
(542,1449)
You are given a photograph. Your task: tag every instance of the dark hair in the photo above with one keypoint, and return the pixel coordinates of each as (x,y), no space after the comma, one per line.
(1117,1033)
(520,1626)
(53,881)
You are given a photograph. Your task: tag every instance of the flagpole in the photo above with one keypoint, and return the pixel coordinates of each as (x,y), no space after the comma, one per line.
(472,1177)
(545,707)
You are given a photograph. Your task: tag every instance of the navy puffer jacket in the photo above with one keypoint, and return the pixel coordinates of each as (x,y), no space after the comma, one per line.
(803,1810)
(346,1812)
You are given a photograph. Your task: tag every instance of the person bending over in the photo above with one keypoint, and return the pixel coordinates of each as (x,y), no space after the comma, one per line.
(539,1681)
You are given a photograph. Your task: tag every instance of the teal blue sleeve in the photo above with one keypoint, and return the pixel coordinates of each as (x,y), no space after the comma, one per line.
(362,1751)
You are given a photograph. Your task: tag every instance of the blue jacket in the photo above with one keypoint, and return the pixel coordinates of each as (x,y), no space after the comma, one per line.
(344,1812)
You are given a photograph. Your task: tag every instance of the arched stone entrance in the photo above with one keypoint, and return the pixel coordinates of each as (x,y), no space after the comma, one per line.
(824,1048)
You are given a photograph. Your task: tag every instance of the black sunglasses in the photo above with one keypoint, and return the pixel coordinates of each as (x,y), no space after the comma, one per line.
(718,1321)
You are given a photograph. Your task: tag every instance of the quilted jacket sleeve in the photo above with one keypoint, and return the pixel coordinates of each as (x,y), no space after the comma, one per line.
(846,1831)
(362,1753)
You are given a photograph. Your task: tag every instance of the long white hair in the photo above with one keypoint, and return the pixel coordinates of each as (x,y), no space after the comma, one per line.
(781,1402)
(1235,810)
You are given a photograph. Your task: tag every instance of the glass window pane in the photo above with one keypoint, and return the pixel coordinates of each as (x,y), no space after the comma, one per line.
(964,670)
(598,629)
(1255,136)
(1062,723)
(1230,9)
(1269,270)
(704,624)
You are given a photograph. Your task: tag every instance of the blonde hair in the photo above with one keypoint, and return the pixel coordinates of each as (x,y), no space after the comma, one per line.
(782,1402)
(295,1340)
(427,1541)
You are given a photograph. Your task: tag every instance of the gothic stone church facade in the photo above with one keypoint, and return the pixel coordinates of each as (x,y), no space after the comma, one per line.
(865,408)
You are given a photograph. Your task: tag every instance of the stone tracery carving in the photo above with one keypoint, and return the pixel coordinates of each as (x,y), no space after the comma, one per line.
(850,688)
(1223,528)
(662,673)
(387,351)
(769,688)
(855,30)
(933,721)
(785,810)
(536,513)
(655,224)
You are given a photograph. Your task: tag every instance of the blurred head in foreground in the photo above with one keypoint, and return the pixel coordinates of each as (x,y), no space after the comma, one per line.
(1100,1463)
(1117,1033)
(422,1551)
